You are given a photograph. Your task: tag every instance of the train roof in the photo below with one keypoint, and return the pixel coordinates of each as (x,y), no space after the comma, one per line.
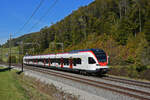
(74,51)
(94,50)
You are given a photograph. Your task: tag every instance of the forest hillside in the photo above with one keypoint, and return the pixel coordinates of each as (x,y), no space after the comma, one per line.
(120,27)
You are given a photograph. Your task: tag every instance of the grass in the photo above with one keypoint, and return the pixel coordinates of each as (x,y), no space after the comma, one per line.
(15,86)
(10,88)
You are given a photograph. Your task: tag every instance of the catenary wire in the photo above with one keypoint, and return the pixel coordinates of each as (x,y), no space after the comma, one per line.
(45,14)
(34,12)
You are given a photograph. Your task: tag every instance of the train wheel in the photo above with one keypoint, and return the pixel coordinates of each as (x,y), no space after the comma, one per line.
(84,73)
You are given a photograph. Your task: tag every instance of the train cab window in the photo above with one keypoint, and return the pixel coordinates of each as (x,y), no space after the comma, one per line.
(91,60)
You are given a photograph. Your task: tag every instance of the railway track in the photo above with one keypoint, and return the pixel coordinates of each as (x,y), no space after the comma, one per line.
(127,81)
(138,94)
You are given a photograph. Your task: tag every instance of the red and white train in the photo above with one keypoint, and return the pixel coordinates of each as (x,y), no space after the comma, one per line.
(85,61)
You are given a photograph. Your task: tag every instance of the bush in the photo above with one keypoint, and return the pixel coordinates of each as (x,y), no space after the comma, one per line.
(0,60)
(132,72)
(130,60)
(145,74)
(141,68)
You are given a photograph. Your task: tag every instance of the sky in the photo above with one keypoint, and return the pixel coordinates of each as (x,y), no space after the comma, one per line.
(14,14)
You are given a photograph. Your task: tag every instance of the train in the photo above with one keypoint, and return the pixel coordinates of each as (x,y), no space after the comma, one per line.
(86,61)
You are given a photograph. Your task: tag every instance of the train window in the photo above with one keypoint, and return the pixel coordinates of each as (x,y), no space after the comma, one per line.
(74,61)
(78,60)
(66,61)
(54,60)
(51,61)
(58,61)
(91,60)
(30,60)
(61,60)
(43,60)
(46,60)
(39,60)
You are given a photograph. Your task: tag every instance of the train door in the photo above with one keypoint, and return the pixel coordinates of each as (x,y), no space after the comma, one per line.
(61,61)
(44,62)
(55,62)
(49,62)
(84,64)
(36,61)
(33,62)
(71,63)
(28,61)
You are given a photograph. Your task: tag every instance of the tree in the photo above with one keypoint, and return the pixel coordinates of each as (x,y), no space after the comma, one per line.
(43,39)
(147,30)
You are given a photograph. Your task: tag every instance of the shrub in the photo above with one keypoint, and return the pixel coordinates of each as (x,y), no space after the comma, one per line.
(145,74)
(132,71)
(0,60)
(141,68)
(130,60)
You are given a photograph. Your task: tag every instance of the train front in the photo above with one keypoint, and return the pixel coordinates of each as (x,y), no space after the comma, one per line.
(102,61)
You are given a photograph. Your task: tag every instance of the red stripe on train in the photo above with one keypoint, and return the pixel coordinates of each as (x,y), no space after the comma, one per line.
(71,65)
(103,63)
(62,63)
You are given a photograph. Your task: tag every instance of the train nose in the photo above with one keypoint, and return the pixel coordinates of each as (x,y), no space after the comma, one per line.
(103,63)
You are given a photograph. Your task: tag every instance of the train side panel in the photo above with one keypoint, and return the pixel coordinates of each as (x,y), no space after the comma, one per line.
(74,61)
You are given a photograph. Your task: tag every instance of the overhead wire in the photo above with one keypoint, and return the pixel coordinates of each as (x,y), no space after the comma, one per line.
(45,14)
(34,12)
